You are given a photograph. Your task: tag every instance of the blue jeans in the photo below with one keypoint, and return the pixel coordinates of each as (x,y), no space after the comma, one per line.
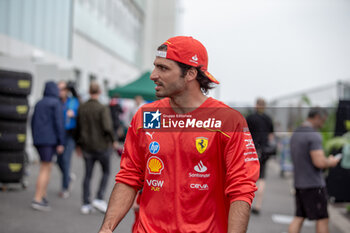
(90,158)
(64,160)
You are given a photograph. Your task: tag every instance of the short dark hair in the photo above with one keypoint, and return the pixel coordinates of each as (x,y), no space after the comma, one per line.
(260,101)
(317,111)
(204,82)
(163,47)
(94,88)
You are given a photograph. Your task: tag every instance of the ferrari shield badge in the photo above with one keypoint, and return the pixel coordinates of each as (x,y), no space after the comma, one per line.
(201,144)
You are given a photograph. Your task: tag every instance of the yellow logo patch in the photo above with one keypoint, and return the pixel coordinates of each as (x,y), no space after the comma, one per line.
(15,167)
(21,109)
(201,144)
(24,84)
(21,137)
(155,165)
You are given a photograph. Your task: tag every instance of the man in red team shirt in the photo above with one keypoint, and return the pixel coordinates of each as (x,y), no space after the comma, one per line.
(192,156)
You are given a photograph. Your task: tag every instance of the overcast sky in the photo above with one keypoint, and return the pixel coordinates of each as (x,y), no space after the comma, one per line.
(271,48)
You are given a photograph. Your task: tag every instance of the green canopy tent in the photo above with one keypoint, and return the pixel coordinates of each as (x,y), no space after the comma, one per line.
(142,86)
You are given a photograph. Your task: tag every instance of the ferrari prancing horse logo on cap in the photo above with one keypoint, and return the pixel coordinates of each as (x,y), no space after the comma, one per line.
(201,144)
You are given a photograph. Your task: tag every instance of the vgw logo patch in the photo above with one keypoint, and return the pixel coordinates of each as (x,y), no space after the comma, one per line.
(151,120)
(201,144)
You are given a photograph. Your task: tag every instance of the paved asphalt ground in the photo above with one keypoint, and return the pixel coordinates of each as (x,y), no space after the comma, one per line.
(16,216)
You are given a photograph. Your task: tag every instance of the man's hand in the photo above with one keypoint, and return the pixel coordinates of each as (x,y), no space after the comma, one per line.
(115,145)
(78,151)
(60,149)
(332,161)
(319,159)
(70,113)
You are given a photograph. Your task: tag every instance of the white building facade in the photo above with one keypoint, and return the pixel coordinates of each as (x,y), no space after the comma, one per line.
(108,41)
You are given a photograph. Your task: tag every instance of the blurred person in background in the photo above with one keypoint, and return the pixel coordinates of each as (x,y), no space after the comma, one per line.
(94,138)
(48,139)
(70,105)
(116,111)
(138,102)
(308,160)
(261,128)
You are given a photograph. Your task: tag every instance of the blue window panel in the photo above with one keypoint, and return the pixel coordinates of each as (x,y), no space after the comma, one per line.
(3,17)
(14,20)
(45,24)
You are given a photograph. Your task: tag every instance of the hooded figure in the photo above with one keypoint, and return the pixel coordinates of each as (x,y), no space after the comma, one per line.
(48,136)
(47,121)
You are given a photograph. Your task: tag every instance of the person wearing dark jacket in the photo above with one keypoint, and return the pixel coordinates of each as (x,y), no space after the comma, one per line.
(48,138)
(261,128)
(95,137)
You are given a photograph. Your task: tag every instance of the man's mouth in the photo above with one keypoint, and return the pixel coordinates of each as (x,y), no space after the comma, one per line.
(158,86)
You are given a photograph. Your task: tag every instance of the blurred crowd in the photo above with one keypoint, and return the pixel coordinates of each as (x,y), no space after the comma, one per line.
(62,123)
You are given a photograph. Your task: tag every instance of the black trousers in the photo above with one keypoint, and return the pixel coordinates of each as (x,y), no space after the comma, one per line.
(103,157)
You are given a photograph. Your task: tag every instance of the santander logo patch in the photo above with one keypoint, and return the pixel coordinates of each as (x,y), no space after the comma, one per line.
(200,167)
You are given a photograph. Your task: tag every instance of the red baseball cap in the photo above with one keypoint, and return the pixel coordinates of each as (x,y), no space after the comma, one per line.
(187,50)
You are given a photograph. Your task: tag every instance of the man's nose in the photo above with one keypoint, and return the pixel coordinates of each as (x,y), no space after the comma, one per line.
(154,75)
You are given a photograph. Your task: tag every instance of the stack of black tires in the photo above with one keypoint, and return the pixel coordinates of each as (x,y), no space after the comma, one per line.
(14,90)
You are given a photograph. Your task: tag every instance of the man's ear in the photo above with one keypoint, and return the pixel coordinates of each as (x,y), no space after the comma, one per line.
(191,74)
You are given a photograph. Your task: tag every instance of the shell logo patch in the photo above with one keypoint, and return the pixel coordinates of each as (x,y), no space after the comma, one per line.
(155,165)
(201,144)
